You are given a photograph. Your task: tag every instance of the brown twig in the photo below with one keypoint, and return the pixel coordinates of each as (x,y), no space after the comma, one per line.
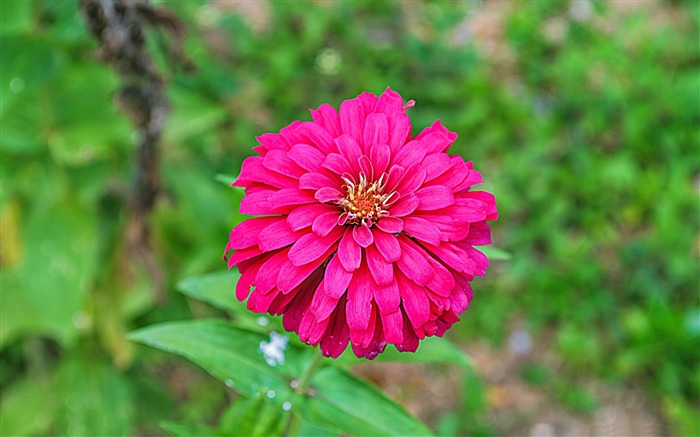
(120,26)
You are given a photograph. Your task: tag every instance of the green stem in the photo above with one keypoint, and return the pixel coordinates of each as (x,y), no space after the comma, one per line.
(302,389)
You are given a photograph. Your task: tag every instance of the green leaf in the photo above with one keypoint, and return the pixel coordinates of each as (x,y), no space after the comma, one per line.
(347,404)
(180,430)
(27,408)
(494,253)
(96,399)
(253,417)
(216,289)
(431,350)
(229,353)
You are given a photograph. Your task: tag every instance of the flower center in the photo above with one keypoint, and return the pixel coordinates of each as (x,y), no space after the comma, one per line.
(364,202)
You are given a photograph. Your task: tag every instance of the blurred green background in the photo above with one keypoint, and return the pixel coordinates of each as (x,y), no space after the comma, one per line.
(582,115)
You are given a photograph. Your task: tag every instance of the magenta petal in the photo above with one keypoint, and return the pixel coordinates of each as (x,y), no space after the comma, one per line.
(246,233)
(352,118)
(290,276)
(328,118)
(278,161)
(436,142)
(396,173)
(277,235)
(266,278)
(399,131)
(350,150)
(413,262)
(337,334)
(382,271)
(290,196)
(310,247)
(307,157)
(328,195)
(362,337)
(390,225)
(246,281)
(319,136)
(435,165)
(411,153)
(362,235)
(316,181)
(359,305)
(305,215)
(322,304)
(337,164)
(443,281)
(387,245)
(393,326)
(387,297)
(257,203)
(349,252)
(414,300)
(380,156)
(435,197)
(325,223)
(405,206)
(376,131)
(337,278)
(422,229)
(412,180)
(311,329)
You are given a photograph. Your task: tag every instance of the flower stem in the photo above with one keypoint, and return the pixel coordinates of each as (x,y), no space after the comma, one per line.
(302,389)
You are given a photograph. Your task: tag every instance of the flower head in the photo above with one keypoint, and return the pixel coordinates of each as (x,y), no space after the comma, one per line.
(365,234)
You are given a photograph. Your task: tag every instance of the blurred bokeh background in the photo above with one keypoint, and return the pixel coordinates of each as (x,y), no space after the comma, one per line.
(582,115)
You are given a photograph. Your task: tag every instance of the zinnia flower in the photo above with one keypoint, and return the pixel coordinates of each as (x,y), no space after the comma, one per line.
(365,234)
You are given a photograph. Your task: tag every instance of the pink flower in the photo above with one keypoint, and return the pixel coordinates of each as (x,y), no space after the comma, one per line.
(364,233)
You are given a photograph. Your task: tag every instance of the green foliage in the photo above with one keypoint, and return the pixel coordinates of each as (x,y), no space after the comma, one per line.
(585,130)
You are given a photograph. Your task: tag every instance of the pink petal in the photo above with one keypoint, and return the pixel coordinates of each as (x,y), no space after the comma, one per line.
(412,180)
(316,181)
(290,276)
(352,119)
(376,131)
(399,131)
(307,157)
(405,206)
(266,278)
(443,281)
(305,215)
(277,235)
(436,142)
(349,252)
(337,278)
(389,102)
(253,170)
(328,118)
(246,281)
(366,167)
(363,336)
(481,261)
(337,164)
(410,340)
(380,156)
(311,247)
(396,173)
(413,262)
(488,199)
(437,127)
(257,203)
(422,229)
(246,233)
(393,327)
(414,300)
(337,334)
(435,165)
(411,153)
(290,196)
(259,302)
(453,256)
(322,304)
(328,195)
(359,305)
(278,161)
(325,223)
(382,271)
(479,234)
(311,329)
(362,235)
(391,225)
(435,197)
(291,134)
(350,150)
(272,142)
(387,245)
(319,136)
(387,296)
